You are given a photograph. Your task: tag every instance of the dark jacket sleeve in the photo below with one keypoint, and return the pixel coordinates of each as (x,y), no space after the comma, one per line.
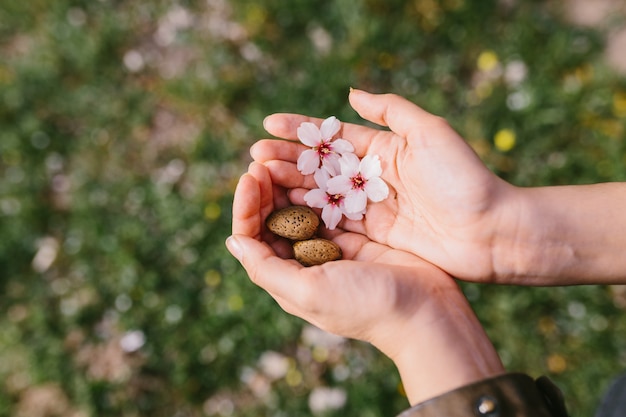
(508,395)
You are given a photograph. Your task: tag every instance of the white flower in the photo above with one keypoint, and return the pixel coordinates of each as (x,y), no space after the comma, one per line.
(332,205)
(324,151)
(345,183)
(358,182)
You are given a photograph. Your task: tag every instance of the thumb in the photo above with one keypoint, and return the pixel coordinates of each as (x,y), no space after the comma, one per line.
(248,251)
(393,111)
(263,266)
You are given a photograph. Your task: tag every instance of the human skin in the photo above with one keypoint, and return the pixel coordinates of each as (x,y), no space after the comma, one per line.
(409,309)
(447,207)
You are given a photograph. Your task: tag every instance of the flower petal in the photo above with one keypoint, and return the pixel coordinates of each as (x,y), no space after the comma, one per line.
(355,201)
(349,163)
(330,127)
(354,216)
(331,163)
(331,215)
(370,167)
(339,185)
(308,162)
(376,189)
(342,146)
(316,198)
(321,177)
(309,134)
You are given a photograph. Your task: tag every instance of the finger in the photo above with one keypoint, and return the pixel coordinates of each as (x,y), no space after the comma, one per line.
(280,277)
(255,198)
(285,125)
(393,111)
(286,174)
(246,207)
(296,196)
(419,129)
(269,149)
(272,195)
(266,192)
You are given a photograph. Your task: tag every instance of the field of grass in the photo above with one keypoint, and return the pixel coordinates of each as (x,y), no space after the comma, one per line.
(124,126)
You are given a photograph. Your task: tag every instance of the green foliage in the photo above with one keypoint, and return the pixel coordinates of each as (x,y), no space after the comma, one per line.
(125,125)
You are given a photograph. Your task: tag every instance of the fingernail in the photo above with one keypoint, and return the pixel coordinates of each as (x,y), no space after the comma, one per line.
(351,89)
(265,122)
(234,247)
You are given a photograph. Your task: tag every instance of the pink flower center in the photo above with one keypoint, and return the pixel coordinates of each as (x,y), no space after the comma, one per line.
(358,182)
(324,149)
(335,199)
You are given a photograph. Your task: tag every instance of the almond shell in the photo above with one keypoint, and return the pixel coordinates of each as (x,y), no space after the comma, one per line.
(293,222)
(316,251)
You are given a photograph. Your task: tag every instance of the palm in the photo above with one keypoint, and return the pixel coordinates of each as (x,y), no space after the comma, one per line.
(442,201)
(389,283)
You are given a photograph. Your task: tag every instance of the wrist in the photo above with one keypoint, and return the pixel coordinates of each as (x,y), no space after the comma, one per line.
(448,345)
(531,246)
(577,234)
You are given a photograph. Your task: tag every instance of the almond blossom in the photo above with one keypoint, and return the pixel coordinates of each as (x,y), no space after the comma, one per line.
(332,205)
(345,182)
(359,181)
(324,151)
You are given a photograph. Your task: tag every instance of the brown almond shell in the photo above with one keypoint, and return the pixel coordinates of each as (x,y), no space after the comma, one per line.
(316,251)
(293,222)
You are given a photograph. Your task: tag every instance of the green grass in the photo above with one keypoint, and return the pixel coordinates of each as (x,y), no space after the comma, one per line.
(125,125)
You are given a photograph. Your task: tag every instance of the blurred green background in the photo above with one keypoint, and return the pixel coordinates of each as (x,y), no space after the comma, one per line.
(124,126)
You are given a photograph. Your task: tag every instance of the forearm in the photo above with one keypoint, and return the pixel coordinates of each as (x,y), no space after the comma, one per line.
(450,352)
(565,235)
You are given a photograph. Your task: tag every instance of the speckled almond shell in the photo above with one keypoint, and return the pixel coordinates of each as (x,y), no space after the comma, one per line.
(294,222)
(316,251)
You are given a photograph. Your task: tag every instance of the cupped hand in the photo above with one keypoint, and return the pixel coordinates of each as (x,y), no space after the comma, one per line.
(444,202)
(409,309)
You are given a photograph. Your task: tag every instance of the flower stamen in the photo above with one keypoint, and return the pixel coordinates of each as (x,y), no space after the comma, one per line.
(324,149)
(358,182)
(335,199)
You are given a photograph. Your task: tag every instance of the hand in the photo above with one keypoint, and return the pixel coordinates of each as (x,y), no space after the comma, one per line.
(409,309)
(444,202)
(448,208)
